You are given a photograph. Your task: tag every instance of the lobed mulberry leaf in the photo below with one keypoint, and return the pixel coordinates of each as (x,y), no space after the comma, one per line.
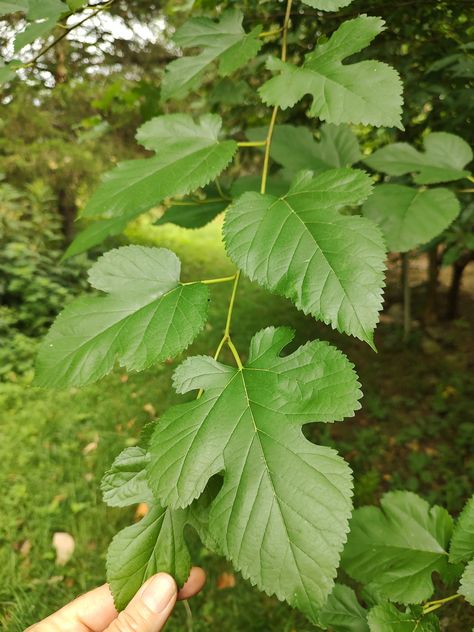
(367,92)
(281,514)
(396,549)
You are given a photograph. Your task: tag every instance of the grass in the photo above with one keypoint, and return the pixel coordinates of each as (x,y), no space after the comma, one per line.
(412,432)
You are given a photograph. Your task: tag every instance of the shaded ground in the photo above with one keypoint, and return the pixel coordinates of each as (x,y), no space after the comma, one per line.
(414,431)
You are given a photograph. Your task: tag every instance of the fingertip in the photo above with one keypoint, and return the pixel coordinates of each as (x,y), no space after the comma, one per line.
(194,583)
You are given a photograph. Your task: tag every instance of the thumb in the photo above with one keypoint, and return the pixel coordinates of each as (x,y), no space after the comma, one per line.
(150,608)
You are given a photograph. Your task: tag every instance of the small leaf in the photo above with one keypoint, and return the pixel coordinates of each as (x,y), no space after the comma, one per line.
(64,545)
(12,6)
(194,212)
(467,583)
(42,16)
(443,160)
(299,246)
(396,549)
(33,31)
(45,9)
(327,5)
(190,156)
(248,423)
(342,612)
(367,92)
(225,41)
(388,618)
(296,149)
(275,185)
(409,217)
(125,483)
(155,544)
(147,316)
(462,543)
(97,231)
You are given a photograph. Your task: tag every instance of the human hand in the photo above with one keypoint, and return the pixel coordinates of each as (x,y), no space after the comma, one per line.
(148,611)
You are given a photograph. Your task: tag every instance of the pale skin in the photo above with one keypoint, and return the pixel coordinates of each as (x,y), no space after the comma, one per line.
(148,611)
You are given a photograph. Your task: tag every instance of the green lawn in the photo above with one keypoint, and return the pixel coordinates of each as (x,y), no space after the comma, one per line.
(413,432)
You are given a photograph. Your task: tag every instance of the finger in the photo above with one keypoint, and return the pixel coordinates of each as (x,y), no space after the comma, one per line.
(195,582)
(91,612)
(149,609)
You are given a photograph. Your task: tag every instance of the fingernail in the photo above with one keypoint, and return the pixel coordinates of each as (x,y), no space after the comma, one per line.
(159,592)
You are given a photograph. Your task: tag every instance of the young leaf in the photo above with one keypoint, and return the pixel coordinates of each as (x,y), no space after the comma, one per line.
(409,217)
(156,543)
(367,92)
(276,185)
(195,212)
(97,231)
(296,149)
(342,612)
(125,483)
(467,583)
(327,5)
(42,16)
(443,160)
(395,549)
(33,31)
(281,514)
(225,41)
(189,156)
(12,6)
(388,618)
(299,246)
(462,543)
(147,316)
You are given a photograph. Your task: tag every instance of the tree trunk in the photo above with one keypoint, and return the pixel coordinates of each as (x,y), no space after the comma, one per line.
(430,314)
(67,209)
(406,296)
(455,288)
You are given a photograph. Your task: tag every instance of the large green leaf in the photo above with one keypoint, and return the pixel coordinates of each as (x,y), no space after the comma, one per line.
(281,514)
(327,5)
(388,618)
(125,483)
(330,265)
(443,160)
(462,543)
(467,583)
(410,217)
(366,92)
(342,612)
(395,549)
(189,155)
(295,148)
(224,40)
(147,316)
